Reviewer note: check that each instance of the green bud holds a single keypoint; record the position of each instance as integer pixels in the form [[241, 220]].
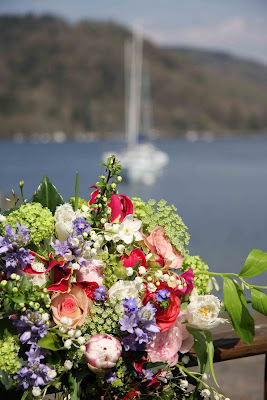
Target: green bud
[[21, 305], [113, 185], [31, 303], [3, 282], [42, 295], [13, 276], [17, 278], [23, 309], [119, 178], [45, 290], [41, 310], [36, 306], [105, 198], [15, 289], [103, 220], [21, 184]]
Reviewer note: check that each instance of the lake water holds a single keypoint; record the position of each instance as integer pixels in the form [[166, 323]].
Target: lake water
[[219, 188]]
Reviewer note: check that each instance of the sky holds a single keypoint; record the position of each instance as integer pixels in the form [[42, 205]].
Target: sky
[[235, 26]]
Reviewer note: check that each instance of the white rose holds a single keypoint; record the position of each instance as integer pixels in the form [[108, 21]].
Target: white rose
[[125, 289], [203, 311], [63, 230]]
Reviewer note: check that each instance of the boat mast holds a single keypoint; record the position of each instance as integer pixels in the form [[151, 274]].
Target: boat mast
[[135, 87]]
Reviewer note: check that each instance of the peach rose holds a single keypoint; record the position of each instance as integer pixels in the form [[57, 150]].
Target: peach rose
[[73, 305], [159, 244]]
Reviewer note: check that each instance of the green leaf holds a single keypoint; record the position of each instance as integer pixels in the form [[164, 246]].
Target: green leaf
[[259, 301], [237, 308], [5, 379], [25, 394], [76, 192], [23, 284], [7, 328], [210, 349], [73, 387], [48, 195], [51, 341], [255, 264], [155, 367], [201, 349], [18, 299]]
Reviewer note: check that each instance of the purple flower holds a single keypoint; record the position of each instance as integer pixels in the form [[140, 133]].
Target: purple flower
[[16, 257], [34, 374], [128, 323], [61, 248], [36, 353], [80, 226], [141, 325], [31, 327], [100, 293], [162, 295]]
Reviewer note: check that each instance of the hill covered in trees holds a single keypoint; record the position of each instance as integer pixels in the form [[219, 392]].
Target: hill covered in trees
[[61, 76]]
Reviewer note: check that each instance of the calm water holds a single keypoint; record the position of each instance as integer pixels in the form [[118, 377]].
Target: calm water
[[219, 188]]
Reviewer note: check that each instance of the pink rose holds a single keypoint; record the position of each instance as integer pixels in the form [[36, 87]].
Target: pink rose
[[73, 305], [159, 244], [102, 352], [90, 273], [166, 344]]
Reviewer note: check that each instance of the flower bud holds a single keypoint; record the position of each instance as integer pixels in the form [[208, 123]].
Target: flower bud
[[68, 365]]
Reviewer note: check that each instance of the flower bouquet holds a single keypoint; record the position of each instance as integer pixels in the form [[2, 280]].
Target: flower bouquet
[[101, 299]]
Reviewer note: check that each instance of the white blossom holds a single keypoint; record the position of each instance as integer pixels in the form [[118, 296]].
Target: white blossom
[[129, 229], [36, 391], [68, 343], [68, 364], [51, 374]]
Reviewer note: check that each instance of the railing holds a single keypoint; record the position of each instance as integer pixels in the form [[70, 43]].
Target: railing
[[227, 346]]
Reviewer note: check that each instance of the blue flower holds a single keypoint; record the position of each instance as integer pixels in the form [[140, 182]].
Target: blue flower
[[162, 295], [110, 377], [80, 226], [129, 305], [128, 323], [100, 293], [148, 374]]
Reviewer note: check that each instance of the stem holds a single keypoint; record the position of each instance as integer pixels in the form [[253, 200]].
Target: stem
[[76, 192], [222, 274]]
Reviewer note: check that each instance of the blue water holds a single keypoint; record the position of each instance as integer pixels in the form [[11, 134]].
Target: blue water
[[219, 188]]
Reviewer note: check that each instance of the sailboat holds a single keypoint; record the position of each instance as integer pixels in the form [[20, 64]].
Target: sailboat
[[141, 162]]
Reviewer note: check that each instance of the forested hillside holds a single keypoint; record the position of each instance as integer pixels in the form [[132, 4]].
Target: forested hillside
[[60, 76]]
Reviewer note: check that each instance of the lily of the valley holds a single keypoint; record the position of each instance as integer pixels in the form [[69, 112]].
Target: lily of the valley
[[129, 229]]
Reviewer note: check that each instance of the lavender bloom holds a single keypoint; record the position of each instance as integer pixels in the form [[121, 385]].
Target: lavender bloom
[[61, 248], [16, 257], [34, 374], [36, 353], [100, 293], [22, 236], [162, 295], [128, 323], [141, 325], [80, 226], [31, 327]]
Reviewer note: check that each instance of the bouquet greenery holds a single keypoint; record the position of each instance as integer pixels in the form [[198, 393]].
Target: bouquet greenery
[[101, 298]]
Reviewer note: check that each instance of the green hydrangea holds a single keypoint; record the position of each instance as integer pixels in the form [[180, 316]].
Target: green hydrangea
[[81, 202], [198, 266], [9, 355], [38, 219], [154, 214]]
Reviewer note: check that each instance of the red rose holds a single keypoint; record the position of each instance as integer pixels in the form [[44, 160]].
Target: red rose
[[165, 318], [135, 256]]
